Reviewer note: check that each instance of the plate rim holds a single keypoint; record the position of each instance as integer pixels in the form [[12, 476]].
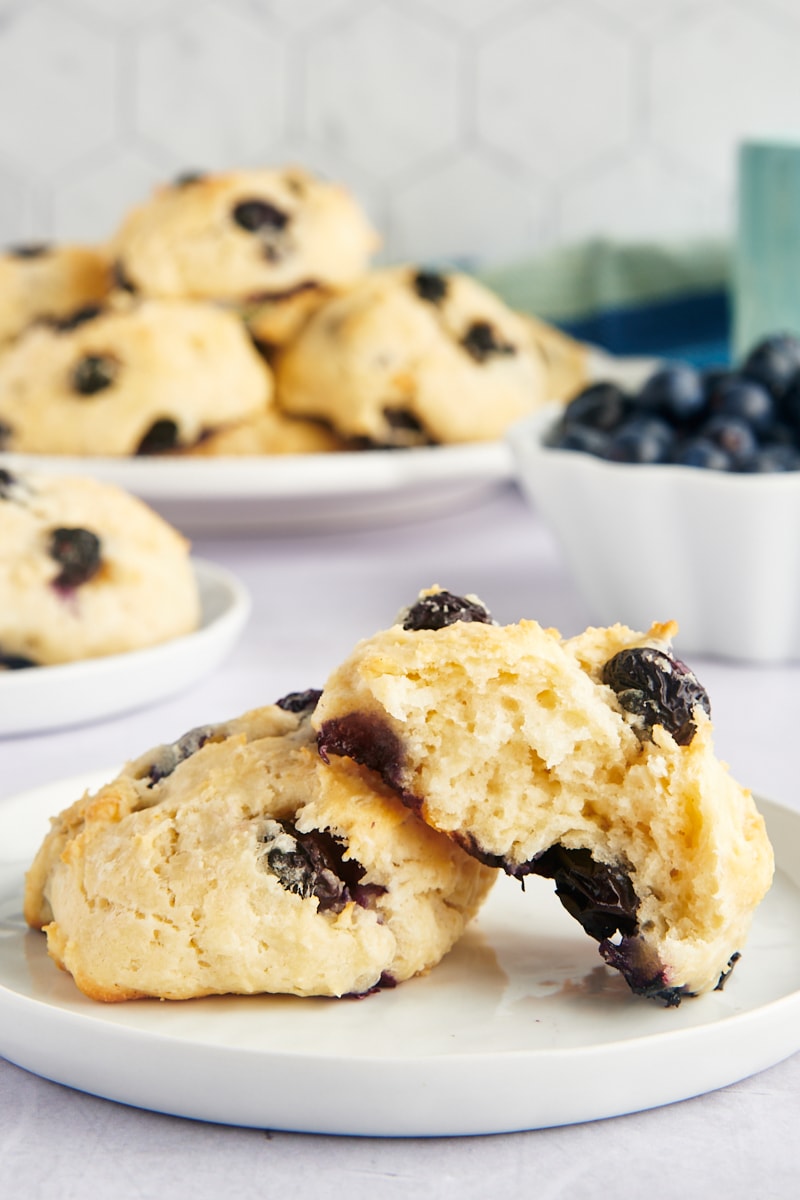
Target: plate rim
[[310, 476], [223, 628], [433, 1074]]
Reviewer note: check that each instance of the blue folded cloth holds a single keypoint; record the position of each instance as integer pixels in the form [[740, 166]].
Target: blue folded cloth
[[631, 299]]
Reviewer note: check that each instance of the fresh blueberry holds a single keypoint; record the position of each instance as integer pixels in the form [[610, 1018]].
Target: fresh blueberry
[[256, 216], [774, 456], [657, 688], [78, 553], [641, 969], [481, 342], [778, 433], [773, 363], [702, 452], [94, 373], [676, 392], [734, 435], [641, 440], [430, 285], [601, 406], [790, 405], [745, 399]]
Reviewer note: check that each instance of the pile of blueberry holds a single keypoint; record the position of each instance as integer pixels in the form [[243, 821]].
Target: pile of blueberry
[[744, 419]]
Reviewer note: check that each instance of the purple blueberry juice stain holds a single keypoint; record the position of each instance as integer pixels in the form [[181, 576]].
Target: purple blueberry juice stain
[[367, 740], [314, 864], [601, 897]]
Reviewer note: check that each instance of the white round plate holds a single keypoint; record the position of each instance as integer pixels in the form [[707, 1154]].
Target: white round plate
[[41, 698], [520, 1027], [296, 493], [302, 493]]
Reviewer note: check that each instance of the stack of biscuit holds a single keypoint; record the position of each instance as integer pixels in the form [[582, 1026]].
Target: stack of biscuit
[[241, 313], [339, 841]]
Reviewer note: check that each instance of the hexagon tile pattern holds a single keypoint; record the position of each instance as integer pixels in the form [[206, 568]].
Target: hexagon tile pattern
[[480, 130]]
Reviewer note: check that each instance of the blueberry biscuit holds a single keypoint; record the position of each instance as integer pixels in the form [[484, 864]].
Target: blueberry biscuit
[[86, 570], [588, 761], [270, 432], [410, 357], [138, 378], [233, 861], [49, 282], [273, 242]]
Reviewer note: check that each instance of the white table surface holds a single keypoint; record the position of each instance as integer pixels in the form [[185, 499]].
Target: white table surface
[[314, 596]]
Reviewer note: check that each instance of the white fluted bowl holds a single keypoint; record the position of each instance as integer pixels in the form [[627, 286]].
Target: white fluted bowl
[[719, 553]]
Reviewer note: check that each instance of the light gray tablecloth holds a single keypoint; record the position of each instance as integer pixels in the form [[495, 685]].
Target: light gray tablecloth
[[314, 596]]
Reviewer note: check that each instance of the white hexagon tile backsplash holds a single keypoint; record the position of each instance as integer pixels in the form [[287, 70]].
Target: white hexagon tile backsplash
[[475, 130]]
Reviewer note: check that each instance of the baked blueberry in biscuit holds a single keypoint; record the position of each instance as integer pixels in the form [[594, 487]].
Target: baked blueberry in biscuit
[[41, 282], [235, 861], [272, 243], [586, 760], [412, 357], [132, 377]]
